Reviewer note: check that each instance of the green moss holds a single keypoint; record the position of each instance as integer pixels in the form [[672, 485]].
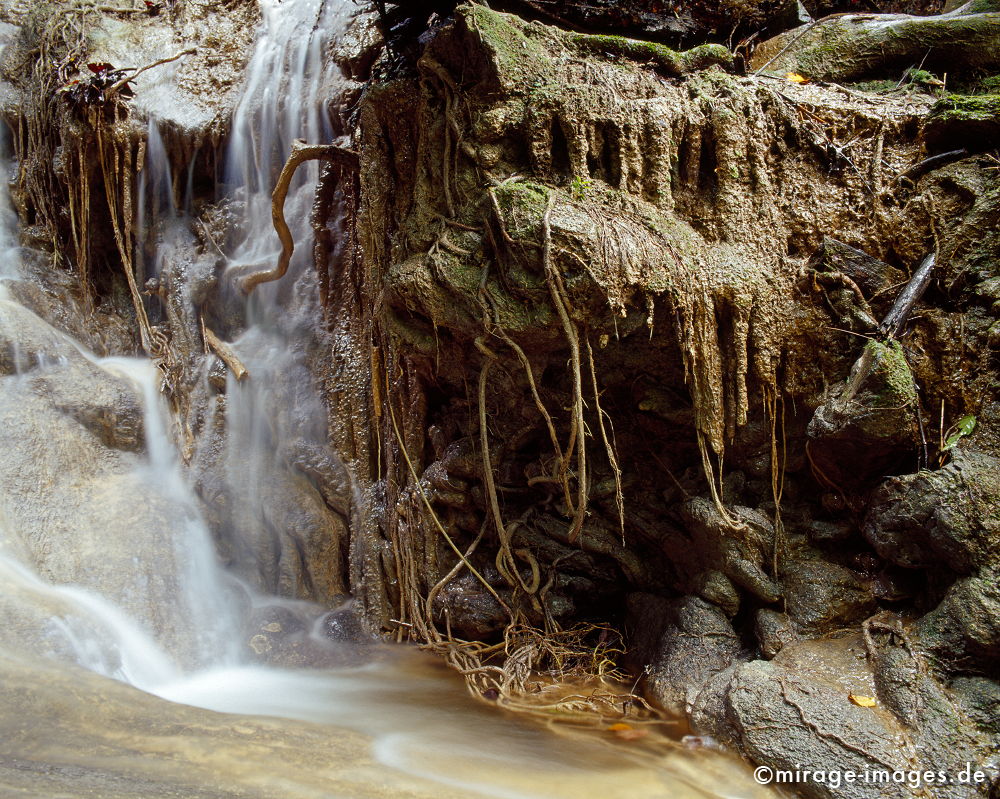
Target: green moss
[[874, 86], [971, 121], [521, 60], [989, 85], [523, 204], [892, 380], [968, 108], [673, 62]]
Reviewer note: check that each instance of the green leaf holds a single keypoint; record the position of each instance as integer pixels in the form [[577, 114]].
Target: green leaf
[[963, 427]]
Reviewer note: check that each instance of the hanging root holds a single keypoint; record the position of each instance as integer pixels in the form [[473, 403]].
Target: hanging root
[[578, 428], [772, 401], [434, 516], [119, 197], [301, 152], [612, 458]]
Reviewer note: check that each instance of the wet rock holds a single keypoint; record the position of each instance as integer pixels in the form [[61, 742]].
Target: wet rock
[[697, 642], [794, 712], [947, 517], [979, 697], [870, 274], [100, 511], [715, 587], [937, 726], [789, 720], [298, 635], [469, 608], [106, 406], [824, 532], [867, 428], [773, 631], [821, 596], [52, 295], [738, 553], [972, 122], [963, 631], [26, 341]]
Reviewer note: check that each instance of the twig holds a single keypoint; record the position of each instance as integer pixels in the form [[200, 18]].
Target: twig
[[895, 320], [116, 86], [225, 352], [921, 168]]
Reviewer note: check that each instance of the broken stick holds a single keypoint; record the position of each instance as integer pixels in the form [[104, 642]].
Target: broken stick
[[225, 352], [893, 323]]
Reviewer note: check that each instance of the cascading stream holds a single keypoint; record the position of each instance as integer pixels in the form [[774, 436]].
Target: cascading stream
[[107, 563]]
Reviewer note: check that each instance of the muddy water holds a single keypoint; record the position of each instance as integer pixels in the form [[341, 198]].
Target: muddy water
[[124, 670]]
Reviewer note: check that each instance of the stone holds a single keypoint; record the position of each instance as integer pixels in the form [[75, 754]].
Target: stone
[[739, 554], [948, 517], [697, 642], [821, 596], [773, 631], [867, 427], [470, 610], [963, 631]]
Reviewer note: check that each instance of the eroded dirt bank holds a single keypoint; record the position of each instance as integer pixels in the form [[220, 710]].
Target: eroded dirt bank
[[609, 384]]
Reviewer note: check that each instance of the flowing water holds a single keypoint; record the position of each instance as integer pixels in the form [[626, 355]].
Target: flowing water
[[123, 636]]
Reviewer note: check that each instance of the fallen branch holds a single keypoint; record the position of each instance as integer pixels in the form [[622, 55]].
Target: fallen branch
[[300, 153], [920, 169], [894, 321], [225, 352], [850, 47]]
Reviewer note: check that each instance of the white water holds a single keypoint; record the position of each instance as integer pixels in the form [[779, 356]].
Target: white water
[[164, 616]]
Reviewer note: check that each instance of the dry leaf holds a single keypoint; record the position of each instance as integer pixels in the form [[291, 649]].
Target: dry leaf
[[862, 701], [795, 77]]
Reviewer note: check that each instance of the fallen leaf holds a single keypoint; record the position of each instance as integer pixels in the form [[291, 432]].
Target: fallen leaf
[[862, 701], [795, 77]]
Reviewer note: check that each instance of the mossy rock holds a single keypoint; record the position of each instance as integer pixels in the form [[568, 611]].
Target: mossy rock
[[971, 121], [891, 381]]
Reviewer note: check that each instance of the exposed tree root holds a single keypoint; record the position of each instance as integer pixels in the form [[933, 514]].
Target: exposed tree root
[[300, 153], [608, 445], [849, 47], [578, 429]]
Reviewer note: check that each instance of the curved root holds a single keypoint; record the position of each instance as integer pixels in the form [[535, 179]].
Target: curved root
[[300, 153]]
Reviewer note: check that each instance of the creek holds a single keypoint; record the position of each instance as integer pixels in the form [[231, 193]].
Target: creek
[[124, 667]]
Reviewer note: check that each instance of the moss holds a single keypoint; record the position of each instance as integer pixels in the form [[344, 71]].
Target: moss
[[892, 380], [989, 85], [523, 204], [673, 62], [874, 86], [971, 121], [521, 60]]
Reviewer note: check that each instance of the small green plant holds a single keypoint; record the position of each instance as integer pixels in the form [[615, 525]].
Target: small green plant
[[578, 188], [962, 428]]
